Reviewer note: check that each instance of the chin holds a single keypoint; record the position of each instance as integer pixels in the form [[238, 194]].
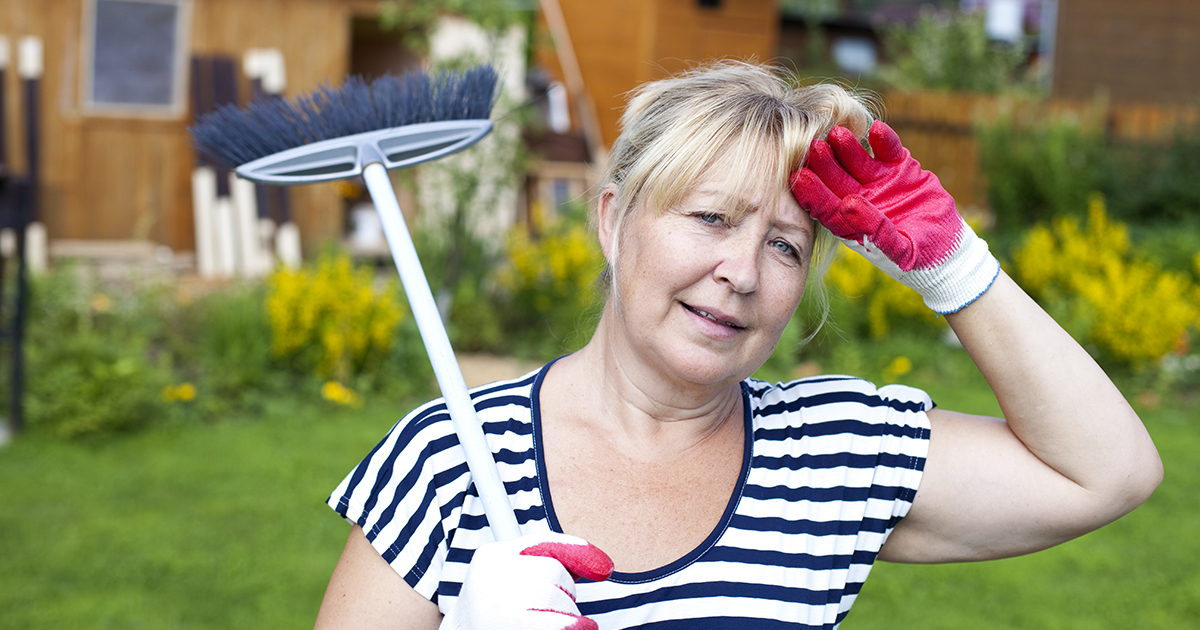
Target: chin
[[703, 368]]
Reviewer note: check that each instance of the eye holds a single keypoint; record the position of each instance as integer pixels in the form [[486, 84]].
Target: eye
[[711, 218], [784, 247]]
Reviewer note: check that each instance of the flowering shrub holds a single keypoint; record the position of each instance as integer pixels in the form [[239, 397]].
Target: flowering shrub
[[876, 295], [331, 319], [1127, 306], [550, 281]]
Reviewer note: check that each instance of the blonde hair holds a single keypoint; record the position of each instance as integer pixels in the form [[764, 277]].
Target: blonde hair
[[756, 119]]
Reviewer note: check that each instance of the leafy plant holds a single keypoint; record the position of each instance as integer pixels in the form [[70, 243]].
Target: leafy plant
[[873, 303], [950, 50], [1040, 167], [552, 301], [91, 356], [415, 18], [1154, 181], [221, 342]]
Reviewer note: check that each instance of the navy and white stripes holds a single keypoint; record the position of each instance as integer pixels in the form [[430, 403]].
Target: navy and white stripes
[[832, 464]]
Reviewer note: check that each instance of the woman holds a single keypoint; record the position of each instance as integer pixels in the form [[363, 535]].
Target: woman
[[721, 500]]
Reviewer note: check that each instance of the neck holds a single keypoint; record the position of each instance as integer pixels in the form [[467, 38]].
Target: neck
[[642, 407]]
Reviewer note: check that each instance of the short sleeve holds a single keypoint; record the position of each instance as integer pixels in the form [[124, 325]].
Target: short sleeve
[[904, 446], [407, 495], [854, 451], [414, 498]]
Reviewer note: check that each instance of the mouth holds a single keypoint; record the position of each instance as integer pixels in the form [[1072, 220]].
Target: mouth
[[716, 318]]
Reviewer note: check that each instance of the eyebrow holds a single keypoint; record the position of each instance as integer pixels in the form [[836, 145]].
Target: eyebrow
[[789, 227]]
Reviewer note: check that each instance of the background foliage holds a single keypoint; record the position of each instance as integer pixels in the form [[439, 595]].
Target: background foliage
[[950, 50], [181, 442]]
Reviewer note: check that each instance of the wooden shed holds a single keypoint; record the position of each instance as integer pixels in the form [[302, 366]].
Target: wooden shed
[[599, 51], [614, 46], [1145, 51], [122, 171]]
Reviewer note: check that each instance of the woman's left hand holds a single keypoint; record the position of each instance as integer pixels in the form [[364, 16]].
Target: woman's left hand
[[1070, 454], [896, 215]]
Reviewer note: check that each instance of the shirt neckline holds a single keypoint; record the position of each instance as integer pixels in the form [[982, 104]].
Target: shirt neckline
[[688, 558]]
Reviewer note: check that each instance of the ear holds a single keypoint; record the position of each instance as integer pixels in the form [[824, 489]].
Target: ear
[[606, 220]]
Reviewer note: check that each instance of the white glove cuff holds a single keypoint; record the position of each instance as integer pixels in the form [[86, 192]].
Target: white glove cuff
[[966, 274], [961, 279]]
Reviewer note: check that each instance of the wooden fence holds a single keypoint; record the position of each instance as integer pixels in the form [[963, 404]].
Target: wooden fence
[[939, 128]]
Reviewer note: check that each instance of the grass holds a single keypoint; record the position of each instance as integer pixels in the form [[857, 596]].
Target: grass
[[1139, 572], [179, 527], [223, 526]]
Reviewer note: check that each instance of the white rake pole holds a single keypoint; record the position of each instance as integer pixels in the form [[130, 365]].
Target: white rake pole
[[454, 389]]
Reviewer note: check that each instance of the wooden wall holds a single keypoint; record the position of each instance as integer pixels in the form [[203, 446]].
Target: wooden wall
[[1148, 50], [623, 43], [125, 177]]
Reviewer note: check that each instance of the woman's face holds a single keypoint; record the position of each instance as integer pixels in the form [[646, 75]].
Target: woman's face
[[702, 296]]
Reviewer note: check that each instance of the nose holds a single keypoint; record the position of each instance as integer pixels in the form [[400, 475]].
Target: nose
[[739, 263]]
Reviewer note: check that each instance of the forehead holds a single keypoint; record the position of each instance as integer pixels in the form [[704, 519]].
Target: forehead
[[740, 183], [749, 166]]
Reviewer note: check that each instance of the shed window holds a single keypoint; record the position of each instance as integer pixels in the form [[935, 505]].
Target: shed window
[[137, 51]]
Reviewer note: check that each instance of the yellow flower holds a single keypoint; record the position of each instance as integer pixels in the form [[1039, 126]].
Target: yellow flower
[[860, 281], [1130, 306], [186, 392], [183, 392], [333, 316], [335, 392], [553, 272], [100, 303], [898, 367]]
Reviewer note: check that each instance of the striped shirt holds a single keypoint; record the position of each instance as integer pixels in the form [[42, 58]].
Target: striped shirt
[[831, 464]]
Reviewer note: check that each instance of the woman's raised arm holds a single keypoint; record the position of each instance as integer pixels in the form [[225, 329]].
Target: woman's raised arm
[[1070, 455]]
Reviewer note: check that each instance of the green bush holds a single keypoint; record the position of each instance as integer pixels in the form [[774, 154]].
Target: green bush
[[1040, 166], [950, 50], [1039, 169], [93, 364], [105, 357], [221, 342], [1154, 181]]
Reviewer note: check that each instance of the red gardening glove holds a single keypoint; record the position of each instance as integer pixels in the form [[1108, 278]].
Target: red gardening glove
[[527, 584], [897, 215]]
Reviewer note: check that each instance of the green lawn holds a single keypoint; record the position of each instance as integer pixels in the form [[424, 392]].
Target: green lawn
[[1142, 571], [185, 527], [223, 526]]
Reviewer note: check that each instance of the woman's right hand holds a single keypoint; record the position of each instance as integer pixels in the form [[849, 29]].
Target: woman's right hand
[[897, 215], [527, 584]]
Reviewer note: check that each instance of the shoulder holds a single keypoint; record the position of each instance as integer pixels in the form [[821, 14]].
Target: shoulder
[[835, 413], [423, 449], [834, 395], [841, 431], [491, 401]]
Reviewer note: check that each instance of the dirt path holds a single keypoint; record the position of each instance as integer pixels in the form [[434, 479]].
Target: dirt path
[[480, 369]]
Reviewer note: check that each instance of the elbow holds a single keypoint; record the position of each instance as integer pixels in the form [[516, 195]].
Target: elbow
[[1152, 476], [1143, 476]]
